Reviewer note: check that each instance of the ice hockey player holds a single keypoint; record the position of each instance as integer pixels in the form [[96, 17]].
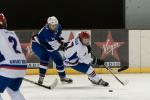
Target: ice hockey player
[[46, 46], [12, 62], [78, 57]]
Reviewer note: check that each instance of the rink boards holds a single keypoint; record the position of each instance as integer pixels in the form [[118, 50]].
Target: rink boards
[[117, 47], [98, 70]]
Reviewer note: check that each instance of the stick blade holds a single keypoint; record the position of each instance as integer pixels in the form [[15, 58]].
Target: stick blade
[[54, 84], [126, 82]]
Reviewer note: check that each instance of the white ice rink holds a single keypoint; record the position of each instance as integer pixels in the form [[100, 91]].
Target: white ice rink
[[137, 89]]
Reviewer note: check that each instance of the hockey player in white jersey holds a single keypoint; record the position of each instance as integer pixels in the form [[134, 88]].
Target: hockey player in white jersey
[[77, 57], [12, 62]]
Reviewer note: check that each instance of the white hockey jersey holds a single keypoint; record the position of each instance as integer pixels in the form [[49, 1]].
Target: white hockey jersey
[[76, 53], [12, 60]]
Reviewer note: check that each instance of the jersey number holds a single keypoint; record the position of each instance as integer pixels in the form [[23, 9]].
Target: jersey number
[[14, 41], [1, 57]]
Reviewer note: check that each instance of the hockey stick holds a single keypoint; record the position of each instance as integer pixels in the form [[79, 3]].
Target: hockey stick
[[52, 86], [123, 83], [110, 70], [116, 71]]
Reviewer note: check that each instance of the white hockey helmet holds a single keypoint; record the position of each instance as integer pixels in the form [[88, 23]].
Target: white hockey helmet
[[52, 20]]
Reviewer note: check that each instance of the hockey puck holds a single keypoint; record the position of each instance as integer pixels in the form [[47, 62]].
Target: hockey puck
[[110, 90]]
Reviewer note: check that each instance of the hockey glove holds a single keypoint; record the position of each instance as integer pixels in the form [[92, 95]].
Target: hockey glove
[[97, 61], [89, 48]]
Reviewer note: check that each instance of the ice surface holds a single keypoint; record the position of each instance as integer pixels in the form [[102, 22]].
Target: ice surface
[[137, 89]]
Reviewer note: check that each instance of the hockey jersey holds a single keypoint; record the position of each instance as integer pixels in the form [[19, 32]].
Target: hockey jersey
[[49, 39], [76, 53], [12, 60]]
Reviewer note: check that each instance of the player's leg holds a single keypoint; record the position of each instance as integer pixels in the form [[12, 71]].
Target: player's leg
[[42, 54], [4, 83], [60, 67], [1, 97], [15, 95], [92, 76], [42, 71], [13, 89]]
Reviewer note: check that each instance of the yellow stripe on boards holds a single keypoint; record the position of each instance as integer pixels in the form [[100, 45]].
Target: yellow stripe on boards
[[98, 70]]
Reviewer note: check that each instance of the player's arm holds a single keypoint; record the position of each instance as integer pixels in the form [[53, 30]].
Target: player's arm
[[89, 48], [2, 58], [42, 39], [84, 58], [96, 60], [60, 39]]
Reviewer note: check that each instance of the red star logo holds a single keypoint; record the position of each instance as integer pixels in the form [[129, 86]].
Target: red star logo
[[71, 36], [27, 47], [109, 47]]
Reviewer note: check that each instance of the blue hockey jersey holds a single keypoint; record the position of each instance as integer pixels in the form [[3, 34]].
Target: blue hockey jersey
[[49, 39]]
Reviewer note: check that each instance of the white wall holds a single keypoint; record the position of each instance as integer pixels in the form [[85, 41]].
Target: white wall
[[145, 48], [134, 48], [139, 48]]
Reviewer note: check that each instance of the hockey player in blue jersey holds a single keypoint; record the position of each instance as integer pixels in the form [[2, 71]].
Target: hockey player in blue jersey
[[46, 45], [12, 62]]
